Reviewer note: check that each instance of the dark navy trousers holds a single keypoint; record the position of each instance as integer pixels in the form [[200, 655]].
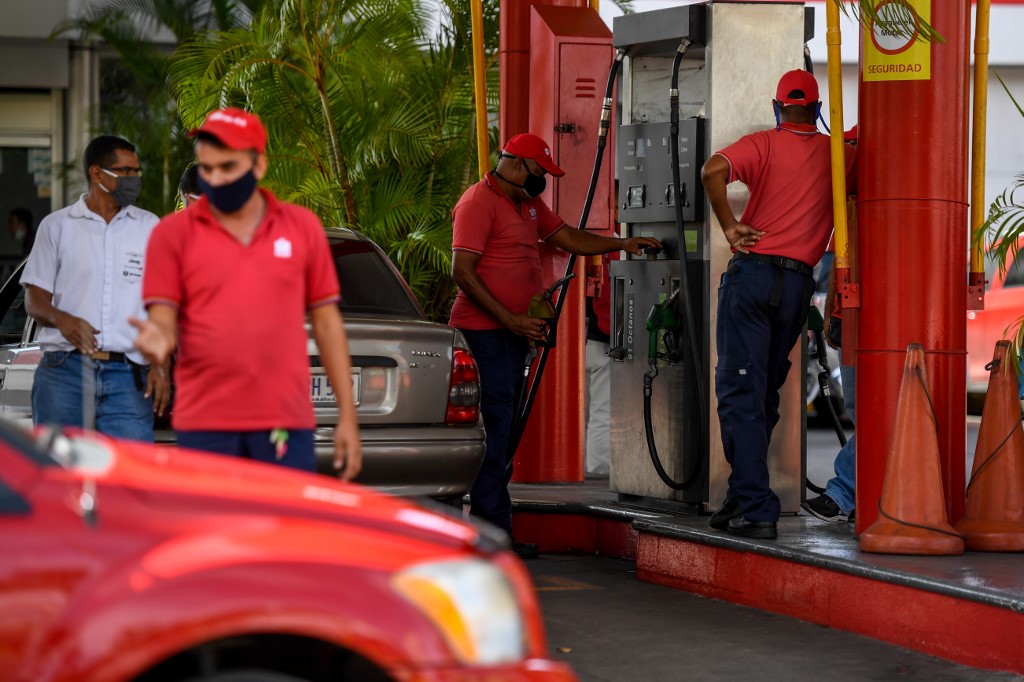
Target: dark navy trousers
[[754, 341], [499, 356]]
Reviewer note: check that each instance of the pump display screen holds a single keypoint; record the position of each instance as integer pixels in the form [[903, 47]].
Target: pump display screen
[[635, 196], [645, 171]]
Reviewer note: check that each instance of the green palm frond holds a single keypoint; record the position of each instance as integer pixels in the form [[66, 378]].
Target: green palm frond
[[1004, 226], [626, 6], [1004, 232], [370, 118], [137, 103]]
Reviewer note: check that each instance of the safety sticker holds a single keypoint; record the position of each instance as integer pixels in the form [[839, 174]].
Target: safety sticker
[[894, 49]]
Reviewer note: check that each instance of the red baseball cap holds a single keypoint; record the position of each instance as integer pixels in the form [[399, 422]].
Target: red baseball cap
[[798, 80], [235, 128], [850, 135], [527, 146]]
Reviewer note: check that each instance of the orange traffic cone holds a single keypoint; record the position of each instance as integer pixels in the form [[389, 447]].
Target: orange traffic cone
[[994, 521], [912, 510]]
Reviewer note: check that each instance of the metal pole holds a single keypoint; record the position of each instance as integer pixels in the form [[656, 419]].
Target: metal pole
[[912, 229], [976, 279], [480, 87], [834, 40]]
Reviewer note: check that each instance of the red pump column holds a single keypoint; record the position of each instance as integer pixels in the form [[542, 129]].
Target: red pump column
[[555, 56], [514, 64], [912, 241]]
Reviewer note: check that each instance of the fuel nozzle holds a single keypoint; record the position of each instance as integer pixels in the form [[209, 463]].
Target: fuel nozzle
[[662, 323], [542, 305]]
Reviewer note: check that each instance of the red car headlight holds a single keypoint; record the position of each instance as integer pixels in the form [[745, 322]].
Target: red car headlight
[[472, 604]]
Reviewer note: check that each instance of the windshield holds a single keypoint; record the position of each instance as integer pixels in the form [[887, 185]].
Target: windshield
[[369, 285]]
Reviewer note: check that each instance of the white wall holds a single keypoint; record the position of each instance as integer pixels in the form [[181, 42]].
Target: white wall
[[1005, 137], [1004, 146]]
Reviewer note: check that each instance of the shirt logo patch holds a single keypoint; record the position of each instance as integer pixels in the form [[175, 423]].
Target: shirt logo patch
[[533, 213], [282, 248]]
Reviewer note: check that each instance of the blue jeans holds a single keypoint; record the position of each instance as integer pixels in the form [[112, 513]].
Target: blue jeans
[[499, 356], [299, 453], [754, 341], [120, 409], [842, 488]]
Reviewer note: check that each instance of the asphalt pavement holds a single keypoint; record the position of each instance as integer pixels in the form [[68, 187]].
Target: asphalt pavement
[[610, 627]]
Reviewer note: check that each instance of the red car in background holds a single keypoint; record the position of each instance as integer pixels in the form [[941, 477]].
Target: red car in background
[[1004, 305], [125, 561]]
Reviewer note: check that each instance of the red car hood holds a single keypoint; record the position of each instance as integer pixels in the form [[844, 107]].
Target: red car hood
[[191, 482]]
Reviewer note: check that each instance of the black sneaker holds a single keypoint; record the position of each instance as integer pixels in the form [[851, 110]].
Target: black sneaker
[[826, 509]]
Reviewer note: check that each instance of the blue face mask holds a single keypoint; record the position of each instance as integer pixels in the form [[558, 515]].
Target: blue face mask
[[232, 196], [819, 117]]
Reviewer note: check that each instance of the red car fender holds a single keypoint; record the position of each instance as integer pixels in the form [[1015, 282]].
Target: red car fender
[[143, 613]]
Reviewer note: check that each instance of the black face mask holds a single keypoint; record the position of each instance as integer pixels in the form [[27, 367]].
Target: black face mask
[[232, 196], [534, 185], [126, 188]]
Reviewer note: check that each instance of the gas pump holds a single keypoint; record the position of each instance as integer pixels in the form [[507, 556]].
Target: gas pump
[[694, 79]]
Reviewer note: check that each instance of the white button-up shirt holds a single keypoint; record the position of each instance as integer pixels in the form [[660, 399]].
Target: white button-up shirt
[[94, 271]]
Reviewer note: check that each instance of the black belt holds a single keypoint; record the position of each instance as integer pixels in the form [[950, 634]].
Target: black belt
[[105, 355], [778, 261], [115, 356]]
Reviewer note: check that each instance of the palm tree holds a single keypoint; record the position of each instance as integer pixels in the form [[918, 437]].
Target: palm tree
[[1003, 232], [136, 102], [369, 118]]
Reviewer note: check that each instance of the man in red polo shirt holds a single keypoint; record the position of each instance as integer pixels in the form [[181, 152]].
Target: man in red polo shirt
[[230, 281], [765, 294], [498, 223]]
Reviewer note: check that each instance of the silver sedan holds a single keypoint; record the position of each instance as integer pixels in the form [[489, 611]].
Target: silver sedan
[[415, 383]]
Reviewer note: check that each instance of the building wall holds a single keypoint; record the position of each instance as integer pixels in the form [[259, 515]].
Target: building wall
[[61, 77]]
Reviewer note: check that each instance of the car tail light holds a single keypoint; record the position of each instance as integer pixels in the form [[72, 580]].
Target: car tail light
[[464, 390]]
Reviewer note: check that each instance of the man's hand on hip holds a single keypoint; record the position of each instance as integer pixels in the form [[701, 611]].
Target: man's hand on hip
[[742, 236]]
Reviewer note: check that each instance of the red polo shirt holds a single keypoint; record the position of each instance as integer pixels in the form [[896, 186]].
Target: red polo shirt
[[788, 171], [488, 223], [242, 361]]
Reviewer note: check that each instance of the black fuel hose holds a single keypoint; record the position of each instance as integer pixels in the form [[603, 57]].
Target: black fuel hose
[[652, 446], [693, 345], [826, 390], [530, 393]]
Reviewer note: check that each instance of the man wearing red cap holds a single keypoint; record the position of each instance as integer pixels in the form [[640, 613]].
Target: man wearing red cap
[[228, 283], [765, 294], [498, 223]]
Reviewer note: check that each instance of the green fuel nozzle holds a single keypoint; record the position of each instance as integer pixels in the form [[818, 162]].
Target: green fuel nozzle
[[661, 320]]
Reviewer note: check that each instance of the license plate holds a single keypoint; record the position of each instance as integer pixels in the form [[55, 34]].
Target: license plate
[[321, 392]]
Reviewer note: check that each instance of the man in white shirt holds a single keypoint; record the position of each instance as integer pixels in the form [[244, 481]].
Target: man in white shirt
[[83, 280]]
